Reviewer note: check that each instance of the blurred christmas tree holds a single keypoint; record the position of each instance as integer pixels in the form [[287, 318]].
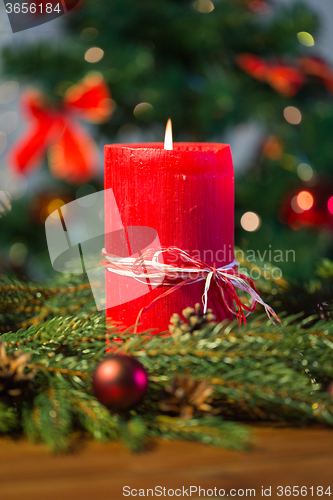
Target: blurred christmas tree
[[211, 66]]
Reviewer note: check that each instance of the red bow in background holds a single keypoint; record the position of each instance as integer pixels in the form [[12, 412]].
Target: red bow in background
[[72, 153]]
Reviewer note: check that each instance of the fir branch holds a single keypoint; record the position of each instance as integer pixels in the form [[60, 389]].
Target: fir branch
[[9, 419], [25, 304], [133, 433], [93, 417], [54, 369], [213, 431], [48, 420], [325, 269], [260, 372]]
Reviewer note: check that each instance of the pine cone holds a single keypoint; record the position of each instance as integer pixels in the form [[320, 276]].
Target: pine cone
[[13, 379], [186, 395], [195, 321], [325, 311]]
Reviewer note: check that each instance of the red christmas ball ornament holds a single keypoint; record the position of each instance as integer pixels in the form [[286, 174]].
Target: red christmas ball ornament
[[120, 382], [310, 206]]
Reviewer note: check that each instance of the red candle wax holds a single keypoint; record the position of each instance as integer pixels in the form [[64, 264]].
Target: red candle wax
[[187, 196]]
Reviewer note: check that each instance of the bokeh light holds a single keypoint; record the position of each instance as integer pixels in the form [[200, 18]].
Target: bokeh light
[[5, 202], [292, 115], [16, 186], [143, 110], [305, 200], [305, 172], [18, 253], [85, 190], [203, 6], [3, 141], [9, 91], [257, 5], [94, 54], [86, 195], [250, 221], [273, 148], [89, 34], [53, 207], [330, 205], [294, 205], [9, 122], [305, 38]]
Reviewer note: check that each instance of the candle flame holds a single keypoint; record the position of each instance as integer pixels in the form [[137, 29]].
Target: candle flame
[[168, 144]]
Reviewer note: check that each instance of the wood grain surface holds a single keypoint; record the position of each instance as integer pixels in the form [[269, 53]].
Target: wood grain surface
[[280, 457]]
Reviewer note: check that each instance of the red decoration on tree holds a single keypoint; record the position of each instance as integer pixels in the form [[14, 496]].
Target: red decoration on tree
[[257, 5], [319, 69], [285, 79], [253, 65], [73, 153], [120, 382]]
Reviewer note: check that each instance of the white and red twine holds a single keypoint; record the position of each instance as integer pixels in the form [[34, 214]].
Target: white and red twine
[[148, 269]]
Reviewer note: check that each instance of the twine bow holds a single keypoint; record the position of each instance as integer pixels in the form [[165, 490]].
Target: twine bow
[[148, 269]]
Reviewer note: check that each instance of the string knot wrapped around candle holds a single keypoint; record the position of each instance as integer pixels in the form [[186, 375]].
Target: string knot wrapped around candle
[[148, 268]]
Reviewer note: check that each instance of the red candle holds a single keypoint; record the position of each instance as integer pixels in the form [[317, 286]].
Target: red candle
[[187, 195]]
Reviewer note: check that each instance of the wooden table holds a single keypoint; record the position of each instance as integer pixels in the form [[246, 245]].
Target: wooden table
[[281, 457]]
